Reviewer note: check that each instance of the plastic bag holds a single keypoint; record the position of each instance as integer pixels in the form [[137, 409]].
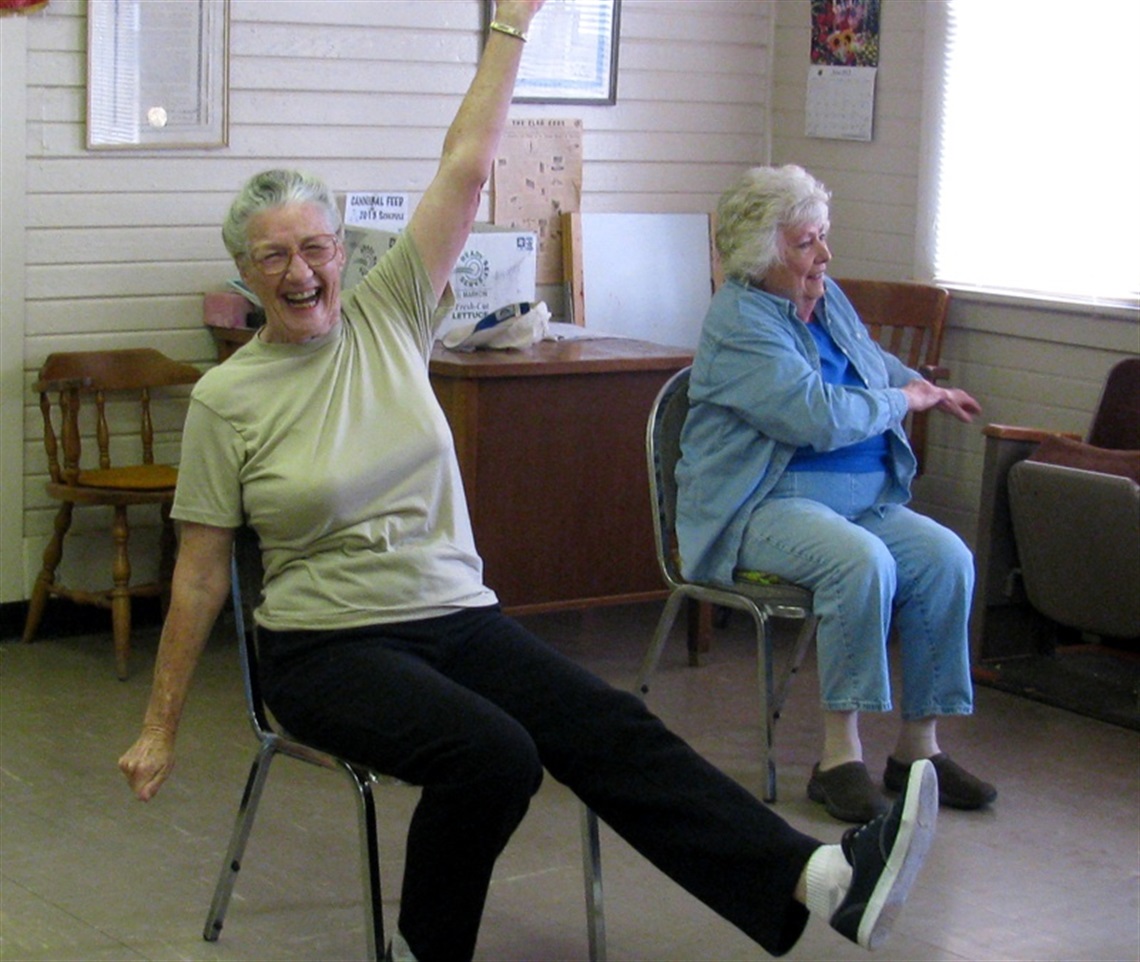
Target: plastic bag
[[513, 326]]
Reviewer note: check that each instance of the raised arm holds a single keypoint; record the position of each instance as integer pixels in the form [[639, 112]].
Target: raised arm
[[444, 215], [201, 583]]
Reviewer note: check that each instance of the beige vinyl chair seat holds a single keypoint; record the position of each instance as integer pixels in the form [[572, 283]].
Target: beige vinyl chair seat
[[1078, 538]]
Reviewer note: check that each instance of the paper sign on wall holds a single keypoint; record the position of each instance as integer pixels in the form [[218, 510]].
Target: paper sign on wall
[[377, 209]]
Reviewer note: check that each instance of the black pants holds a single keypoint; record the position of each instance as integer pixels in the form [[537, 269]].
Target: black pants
[[472, 707]]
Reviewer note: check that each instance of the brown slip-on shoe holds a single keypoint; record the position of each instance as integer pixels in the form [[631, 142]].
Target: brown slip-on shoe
[[847, 792], [957, 788]]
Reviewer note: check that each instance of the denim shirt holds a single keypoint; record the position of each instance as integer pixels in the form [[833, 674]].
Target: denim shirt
[[756, 394]]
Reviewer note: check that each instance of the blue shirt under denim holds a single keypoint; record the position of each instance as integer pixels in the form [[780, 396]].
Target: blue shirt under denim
[[756, 395], [870, 456]]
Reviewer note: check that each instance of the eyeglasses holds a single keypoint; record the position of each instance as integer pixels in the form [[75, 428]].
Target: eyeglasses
[[316, 251]]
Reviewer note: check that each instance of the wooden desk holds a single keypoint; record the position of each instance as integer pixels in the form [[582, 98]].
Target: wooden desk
[[551, 445]]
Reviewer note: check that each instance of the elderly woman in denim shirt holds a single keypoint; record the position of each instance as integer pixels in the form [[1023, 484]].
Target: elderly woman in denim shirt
[[795, 462]]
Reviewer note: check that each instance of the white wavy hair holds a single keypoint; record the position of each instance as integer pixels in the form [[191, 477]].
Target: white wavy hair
[[275, 188], [752, 212]]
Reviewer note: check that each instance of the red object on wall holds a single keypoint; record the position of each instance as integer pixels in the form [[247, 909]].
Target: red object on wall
[[21, 6]]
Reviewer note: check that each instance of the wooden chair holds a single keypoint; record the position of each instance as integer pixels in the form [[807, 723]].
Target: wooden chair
[[72, 378], [907, 320]]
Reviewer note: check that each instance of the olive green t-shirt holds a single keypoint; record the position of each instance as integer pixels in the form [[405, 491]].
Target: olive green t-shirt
[[338, 455]]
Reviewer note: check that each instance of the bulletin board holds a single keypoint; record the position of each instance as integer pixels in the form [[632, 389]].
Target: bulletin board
[[538, 177]]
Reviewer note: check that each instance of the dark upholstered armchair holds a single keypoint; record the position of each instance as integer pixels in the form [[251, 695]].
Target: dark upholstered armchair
[[1058, 549]]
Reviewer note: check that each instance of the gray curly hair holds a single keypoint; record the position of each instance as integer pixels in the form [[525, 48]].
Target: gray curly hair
[[751, 213], [274, 188]]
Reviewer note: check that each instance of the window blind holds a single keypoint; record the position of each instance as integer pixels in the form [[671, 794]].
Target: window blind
[[1038, 166]]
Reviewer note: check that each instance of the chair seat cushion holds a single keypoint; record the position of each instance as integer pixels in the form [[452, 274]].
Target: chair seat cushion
[[1068, 453], [138, 477], [773, 590], [745, 576], [1077, 535]]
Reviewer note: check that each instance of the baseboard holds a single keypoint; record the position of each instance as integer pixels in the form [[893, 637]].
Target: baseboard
[[64, 619]]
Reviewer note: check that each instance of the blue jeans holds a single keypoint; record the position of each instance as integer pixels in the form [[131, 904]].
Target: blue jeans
[[867, 563], [473, 707]]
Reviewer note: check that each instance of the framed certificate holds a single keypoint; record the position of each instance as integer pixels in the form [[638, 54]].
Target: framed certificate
[[157, 74], [571, 54]]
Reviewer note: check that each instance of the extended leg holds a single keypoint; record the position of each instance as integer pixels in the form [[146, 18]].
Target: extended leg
[[700, 827]]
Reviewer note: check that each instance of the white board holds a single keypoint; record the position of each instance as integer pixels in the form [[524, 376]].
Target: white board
[[647, 276]]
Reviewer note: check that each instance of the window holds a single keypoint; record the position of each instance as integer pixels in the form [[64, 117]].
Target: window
[[1038, 156]]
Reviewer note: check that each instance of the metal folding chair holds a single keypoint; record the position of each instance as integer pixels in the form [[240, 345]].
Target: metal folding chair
[[761, 596], [272, 741]]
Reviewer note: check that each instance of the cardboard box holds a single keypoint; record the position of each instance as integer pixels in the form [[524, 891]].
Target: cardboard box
[[497, 267]]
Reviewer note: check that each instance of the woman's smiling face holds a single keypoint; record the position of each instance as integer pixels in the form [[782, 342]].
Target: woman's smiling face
[[301, 296], [799, 273]]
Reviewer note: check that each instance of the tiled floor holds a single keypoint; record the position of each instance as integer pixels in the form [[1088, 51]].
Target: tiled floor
[[86, 873]]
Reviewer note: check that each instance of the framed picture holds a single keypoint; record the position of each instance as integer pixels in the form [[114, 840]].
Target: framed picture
[[157, 74], [571, 54]]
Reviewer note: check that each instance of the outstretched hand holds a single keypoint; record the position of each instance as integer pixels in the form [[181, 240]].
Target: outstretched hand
[[958, 403], [148, 762], [921, 395]]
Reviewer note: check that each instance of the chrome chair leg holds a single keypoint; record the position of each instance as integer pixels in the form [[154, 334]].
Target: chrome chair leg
[[764, 691], [660, 636], [592, 875], [365, 783], [247, 810]]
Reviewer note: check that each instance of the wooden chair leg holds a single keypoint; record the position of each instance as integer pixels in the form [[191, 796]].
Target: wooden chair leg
[[700, 628], [46, 578], [120, 593]]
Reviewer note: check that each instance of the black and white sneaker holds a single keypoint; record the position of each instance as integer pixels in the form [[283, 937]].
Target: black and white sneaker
[[886, 856]]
